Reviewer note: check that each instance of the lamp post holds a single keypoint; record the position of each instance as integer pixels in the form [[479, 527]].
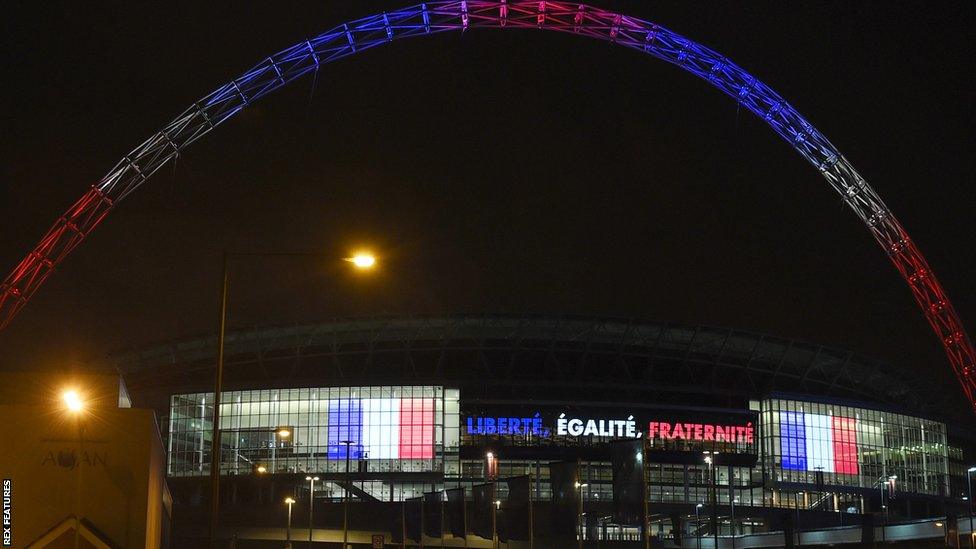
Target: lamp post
[[491, 466], [345, 497], [289, 501], [818, 477], [361, 261], [311, 505], [579, 512], [712, 494], [494, 522], [698, 525], [969, 484], [883, 483], [732, 506]]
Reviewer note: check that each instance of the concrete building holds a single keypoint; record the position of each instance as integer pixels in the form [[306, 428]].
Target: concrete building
[[80, 467]]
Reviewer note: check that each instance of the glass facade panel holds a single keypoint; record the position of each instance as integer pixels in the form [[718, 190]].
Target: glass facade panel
[[833, 445], [383, 429]]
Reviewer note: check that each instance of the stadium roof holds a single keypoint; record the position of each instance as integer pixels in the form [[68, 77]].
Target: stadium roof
[[499, 356]]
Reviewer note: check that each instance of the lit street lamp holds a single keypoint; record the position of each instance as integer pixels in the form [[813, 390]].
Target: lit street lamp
[[290, 501], [362, 262], [491, 466], [969, 483], [311, 505], [698, 524], [712, 493], [345, 497], [883, 483], [579, 490], [72, 401]]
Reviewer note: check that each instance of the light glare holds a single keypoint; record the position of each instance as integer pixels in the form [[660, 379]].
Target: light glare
[[362, 260], [72, 401]]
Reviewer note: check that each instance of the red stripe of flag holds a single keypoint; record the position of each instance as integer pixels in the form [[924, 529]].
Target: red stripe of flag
[[845, 444], [416, 428]]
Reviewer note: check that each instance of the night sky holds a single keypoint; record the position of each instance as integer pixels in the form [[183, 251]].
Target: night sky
[[510, 172]]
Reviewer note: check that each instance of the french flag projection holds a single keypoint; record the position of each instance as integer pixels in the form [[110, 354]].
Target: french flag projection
[[816, 442], [381, 428]]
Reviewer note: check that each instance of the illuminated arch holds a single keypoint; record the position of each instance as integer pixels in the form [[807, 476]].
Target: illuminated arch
[[440, 16]]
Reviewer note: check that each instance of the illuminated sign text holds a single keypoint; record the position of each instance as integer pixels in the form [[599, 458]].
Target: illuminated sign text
[[507, 426], [706, 432], [599, 427]]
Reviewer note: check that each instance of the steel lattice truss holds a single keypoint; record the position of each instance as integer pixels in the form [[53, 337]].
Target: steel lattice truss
[[433, 17]]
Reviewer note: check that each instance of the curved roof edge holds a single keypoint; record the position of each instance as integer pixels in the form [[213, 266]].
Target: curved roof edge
[[767, 360]]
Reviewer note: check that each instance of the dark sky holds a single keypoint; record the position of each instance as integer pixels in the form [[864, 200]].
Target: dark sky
[[512, 171]]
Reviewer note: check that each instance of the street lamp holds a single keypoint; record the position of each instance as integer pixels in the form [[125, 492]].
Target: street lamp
[[311, 504], [882, 484], [969, 483], [362, 261], [261, 469], [290, 501], [345, 497], [712, 493], [283, 432], [698, 525], [72, 401], [491, 466], [579, 490]]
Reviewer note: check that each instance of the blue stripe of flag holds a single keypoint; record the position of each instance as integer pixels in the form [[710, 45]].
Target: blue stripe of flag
[[345, 423], [792, 432]]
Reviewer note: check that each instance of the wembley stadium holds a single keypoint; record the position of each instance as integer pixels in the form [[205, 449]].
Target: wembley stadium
[[738, 433]]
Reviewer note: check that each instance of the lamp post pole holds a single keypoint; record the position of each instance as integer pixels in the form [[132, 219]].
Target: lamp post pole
[[881, 486], [698, 525], [579, 511], [732, 505], [969, 483], [215, 432], [345, 498], [311, 505], [361, 261], [885, 482], [289, 501], [713, 494]]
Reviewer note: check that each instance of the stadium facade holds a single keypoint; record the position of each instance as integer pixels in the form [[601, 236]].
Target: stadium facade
[[740, 431]]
